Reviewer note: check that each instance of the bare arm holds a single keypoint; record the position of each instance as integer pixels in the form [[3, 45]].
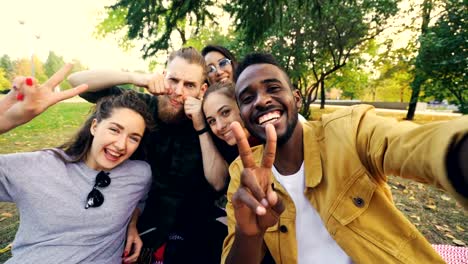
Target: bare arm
[[214, 166], [133, 244], [102, 79]]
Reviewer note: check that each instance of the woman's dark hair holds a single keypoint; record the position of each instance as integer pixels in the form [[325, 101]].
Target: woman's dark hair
[[226, 53], [79, 146]]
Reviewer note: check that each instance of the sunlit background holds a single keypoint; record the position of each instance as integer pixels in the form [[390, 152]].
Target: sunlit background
[[65, 27]]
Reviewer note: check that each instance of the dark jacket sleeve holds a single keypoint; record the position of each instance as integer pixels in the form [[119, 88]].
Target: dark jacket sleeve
[[93, 97]]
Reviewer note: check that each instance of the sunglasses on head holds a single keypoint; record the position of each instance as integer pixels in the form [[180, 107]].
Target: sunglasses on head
[[95, 197], [221, 65]]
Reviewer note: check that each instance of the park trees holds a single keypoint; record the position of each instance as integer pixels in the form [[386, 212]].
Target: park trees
[[7, 65], [419, 76], [53, 63], [352, 80], [4, 82], [395, 68], [42, 70], [312, 39], [6, 70], [155, 21], [442, 57]]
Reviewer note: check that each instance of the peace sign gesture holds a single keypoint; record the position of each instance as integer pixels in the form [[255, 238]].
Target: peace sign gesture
[[28, 99], [256, 205]]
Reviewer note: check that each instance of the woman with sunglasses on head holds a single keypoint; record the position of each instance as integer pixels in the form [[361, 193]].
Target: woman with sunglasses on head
[[76, 201]]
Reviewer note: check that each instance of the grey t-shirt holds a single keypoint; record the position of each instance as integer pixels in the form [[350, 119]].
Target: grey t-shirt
[[50, 196]]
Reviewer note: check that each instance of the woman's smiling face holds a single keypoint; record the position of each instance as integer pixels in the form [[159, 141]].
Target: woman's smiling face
[[116, 138], [220, 111], [220, 68]]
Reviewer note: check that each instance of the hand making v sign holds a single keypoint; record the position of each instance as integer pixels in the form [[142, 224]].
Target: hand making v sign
[[256, 204]]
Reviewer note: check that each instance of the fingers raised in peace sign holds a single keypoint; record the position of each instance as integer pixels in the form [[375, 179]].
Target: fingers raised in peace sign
[[256, 205]]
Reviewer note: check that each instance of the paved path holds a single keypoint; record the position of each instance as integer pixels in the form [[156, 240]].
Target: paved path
[[78, 99], [428, 112]]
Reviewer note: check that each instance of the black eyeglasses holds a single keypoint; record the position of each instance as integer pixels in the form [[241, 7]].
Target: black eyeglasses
[[95, 197], [221, 65]]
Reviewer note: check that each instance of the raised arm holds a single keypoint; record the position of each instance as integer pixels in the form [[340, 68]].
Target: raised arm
[[28, 99], [98, 80], [215, 166], [430, 153], [102, 79]]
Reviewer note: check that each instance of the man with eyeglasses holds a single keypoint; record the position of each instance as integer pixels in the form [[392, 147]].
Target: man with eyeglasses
[[181, 204]]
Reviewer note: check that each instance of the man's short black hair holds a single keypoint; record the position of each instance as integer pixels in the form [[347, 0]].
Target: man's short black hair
[[255, 58], [259, 58]]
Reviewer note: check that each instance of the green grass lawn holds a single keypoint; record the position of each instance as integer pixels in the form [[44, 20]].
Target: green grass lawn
[[435, 213], [50, 129]]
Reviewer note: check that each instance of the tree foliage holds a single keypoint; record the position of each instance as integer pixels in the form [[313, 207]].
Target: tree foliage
[[154, 21], [396, 73], [42, 71], [53, 63], [5, 84], [211, 35], [115, 24], [443, 56], [352, 80], [7, 65], [419, 75], [311, 38]]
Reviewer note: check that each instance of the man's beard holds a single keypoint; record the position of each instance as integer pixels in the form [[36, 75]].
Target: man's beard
[[289, 131], [168, 114]]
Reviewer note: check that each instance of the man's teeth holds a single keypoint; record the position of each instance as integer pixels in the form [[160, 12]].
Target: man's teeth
[[269, 117]]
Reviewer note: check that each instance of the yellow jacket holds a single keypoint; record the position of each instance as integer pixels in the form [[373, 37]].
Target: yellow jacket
[[347, 156]]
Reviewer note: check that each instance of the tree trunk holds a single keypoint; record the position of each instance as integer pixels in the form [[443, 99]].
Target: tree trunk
[[418, 77], [416, 88], [322, 94]]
